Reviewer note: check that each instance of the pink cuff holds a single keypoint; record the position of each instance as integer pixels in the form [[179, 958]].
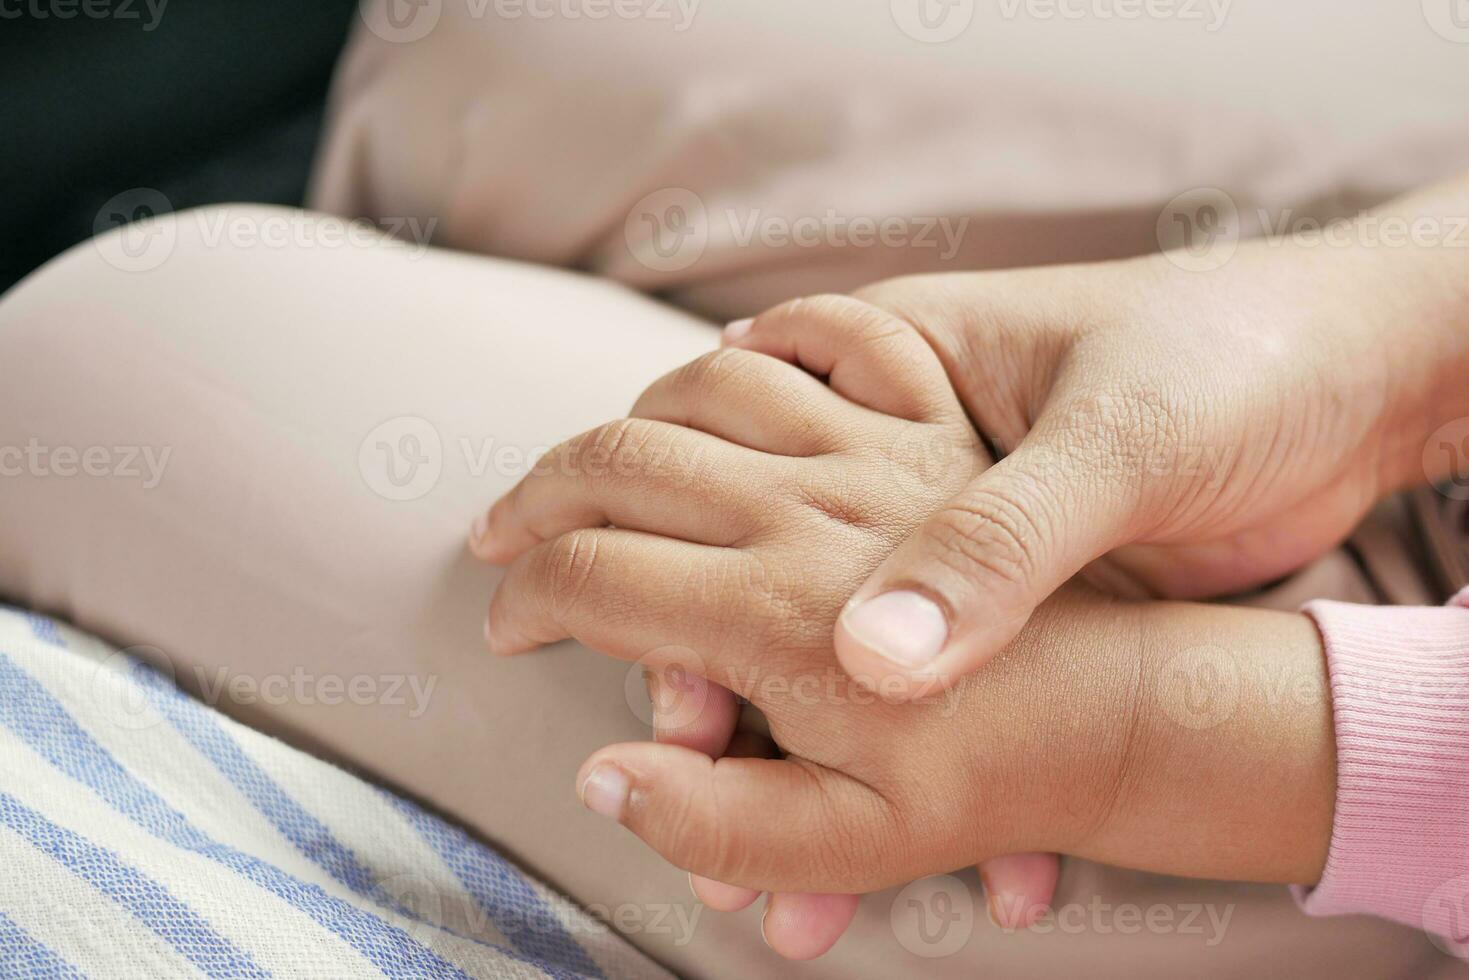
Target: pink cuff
[[1400, 698]]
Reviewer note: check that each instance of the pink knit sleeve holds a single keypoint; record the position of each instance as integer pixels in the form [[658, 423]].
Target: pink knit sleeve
[[1400, 698]]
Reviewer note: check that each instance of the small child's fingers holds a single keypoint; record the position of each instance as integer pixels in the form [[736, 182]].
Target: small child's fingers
[[633, 473], [868, 355], [1019, 887], [634, 596], [716, 894], [721, 897], [751, 745], [754, 401], [712, 732], [757, 823], [803, 926], [690, 710]]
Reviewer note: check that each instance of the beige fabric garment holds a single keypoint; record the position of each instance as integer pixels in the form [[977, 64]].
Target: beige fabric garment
[[1062, 138]]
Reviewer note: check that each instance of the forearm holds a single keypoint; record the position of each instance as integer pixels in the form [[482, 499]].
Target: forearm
[[1229, 767], [1325, 750]]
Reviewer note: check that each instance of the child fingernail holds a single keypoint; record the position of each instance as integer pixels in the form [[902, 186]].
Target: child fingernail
[[904, 628], [605, 791], [737, 330]]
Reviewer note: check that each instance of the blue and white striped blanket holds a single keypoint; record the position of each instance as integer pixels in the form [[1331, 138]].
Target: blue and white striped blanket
[[143, 834]]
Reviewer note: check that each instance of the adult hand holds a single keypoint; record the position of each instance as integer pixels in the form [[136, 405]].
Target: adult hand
[[1206, 433]]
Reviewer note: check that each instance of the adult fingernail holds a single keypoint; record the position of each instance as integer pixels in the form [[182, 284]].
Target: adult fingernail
[[737, 330], [480, 527], [605, 791], [905, 628]]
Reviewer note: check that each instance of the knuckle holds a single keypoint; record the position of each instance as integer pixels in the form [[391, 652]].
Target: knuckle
[[710, 372], [839, 498], [571, 562], [844, 830], [857, 321], [912, 300], [703, 842], [826, 306], [620, 448], [838, 857], [785, 610], [819, 306]]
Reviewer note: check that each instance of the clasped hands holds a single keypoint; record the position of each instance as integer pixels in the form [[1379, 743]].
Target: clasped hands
[[809, 520]]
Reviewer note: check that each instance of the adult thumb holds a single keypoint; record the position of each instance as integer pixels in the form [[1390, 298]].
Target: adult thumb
[[961, 587]]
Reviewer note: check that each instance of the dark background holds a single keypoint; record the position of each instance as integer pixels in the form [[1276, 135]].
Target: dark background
[[221, 101]]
